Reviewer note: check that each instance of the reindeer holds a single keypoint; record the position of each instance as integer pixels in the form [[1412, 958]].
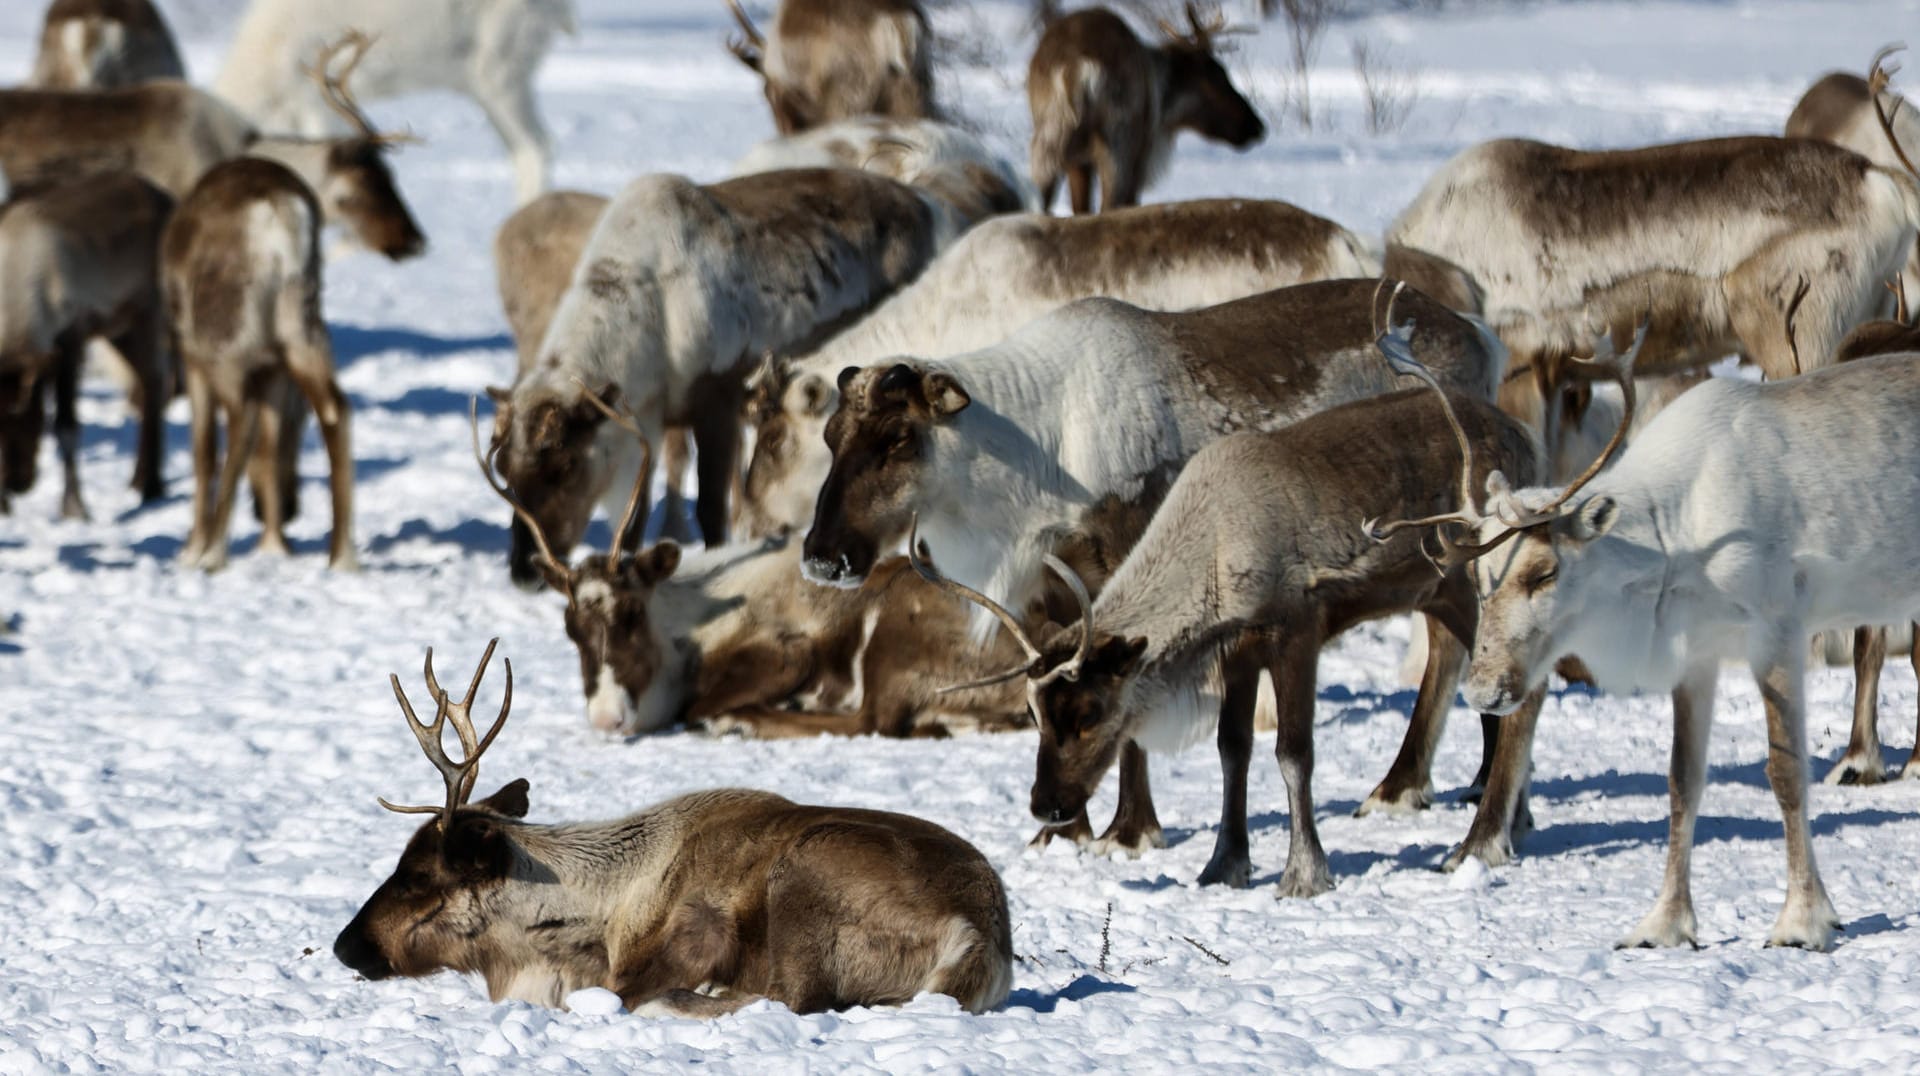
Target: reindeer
[[1101, 99], [1683, 555], [1006, 272], [677, 287], [1251, 564], [1840, 108], [77, 261], [101, 44], [240, 269], [487, 50], [1063, 439], [1715, 236], [836, 59], [743, 893]]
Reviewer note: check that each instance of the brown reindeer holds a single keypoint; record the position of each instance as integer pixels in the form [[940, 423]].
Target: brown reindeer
[[77, 262], [835, 59], [742, 893], [101, 44], [1840, 109], [240, 265], [1103, 100]]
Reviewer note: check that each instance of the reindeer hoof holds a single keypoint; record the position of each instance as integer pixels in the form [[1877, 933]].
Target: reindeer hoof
[[1491, 853], [1661, 930], [1129, 845], [1402, 801], [1081, 835], [1857, 770], [1807, 923], [345, 562], [1235, 873], [1304, 883]]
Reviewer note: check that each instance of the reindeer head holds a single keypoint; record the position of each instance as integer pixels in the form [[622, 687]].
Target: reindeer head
[[432, 913], [1201, 98], [790, 456], [793, 110], [546, 449], [359, 192], [883, 446]]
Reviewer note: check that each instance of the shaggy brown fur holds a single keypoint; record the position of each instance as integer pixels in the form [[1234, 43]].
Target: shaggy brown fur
[[835, 59], [102, 44]]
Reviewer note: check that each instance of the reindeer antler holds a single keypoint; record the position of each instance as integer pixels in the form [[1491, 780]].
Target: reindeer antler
[[1879, 77], [333, 86], [1070, 669], [485, 460], [750, 48], [1205, 22], [1793, 308], [459, 776], [624, 418]]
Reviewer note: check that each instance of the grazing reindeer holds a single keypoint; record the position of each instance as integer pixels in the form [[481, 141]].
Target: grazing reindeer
[[1101, 99], [101, 44], [836, 59], [240, 268], [1683, 555], [77, 261], [744, 893], [678, 288], [1251, 564], [1717, 237], [487, 50], [1007, 272], [1064, 437]]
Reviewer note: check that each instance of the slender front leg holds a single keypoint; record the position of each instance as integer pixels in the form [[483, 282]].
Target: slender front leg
[[1294, 674], [1671, 922], [1862, 765], [1489, 746], [716, 436], [1232, 863], [239, 448], [1080, 188], [1496, 824], [1408, 785], [1912, 767], [66, 428], [1808, 919], [1135, 827], [205, 460]]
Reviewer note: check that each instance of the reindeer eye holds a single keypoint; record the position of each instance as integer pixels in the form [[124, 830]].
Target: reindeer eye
[[1543, 579]]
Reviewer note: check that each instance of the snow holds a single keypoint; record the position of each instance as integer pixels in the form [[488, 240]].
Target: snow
[[188, 764]]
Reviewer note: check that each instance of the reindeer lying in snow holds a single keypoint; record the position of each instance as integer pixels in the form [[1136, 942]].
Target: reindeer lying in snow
[[1009, 271], [1252, 563], [78, 261], [101, 44], [1064, 437], [678, 287], [1104, 101], [836, 59], [1683, 555], [742, 893]]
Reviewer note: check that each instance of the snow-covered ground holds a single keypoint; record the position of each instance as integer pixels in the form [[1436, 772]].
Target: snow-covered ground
[[188, 764]]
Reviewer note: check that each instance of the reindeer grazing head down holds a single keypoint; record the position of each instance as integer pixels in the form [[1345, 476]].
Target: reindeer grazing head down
[[359, 192], [882, 442], [433, 912], [1201, 98], [546, 449]]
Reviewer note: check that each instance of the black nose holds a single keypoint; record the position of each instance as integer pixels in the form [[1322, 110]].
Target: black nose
[[412, 246], [354, 950]]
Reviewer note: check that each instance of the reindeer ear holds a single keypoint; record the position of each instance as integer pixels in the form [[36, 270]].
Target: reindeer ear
[[1117, 656], [511, 800], [499, 395], [658, 563], [847, 374], [813, 395], [945, 395], [476, 849], [1594, 518]]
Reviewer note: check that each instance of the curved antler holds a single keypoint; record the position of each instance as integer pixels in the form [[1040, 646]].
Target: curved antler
[[485, 460], [751, 48], [458, 776], [1879, 77], [624, 419], [932, 575], [1071, 668], [333, 86]]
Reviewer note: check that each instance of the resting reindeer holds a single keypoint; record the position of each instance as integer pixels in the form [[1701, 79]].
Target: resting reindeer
[[78, 261], [101, 44], [1008, 271], [1102, 100], [1683, 555], [678, 289], [1064, 437], [240, 266], [742, 893], [487, 50], [835, 59], [1716, 236], [1252, 563]]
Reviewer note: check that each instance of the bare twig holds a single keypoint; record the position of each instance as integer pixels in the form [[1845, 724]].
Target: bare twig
[[1390, 91], [1218, 959], [1106, 938]]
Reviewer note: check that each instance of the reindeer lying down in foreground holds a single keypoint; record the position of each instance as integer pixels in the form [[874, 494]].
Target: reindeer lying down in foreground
[[736, 893], [1253, 563]]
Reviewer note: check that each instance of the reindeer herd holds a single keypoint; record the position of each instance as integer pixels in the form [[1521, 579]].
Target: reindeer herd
[[962, 465]]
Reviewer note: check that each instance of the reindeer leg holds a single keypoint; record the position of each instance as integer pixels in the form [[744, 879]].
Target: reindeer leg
[[1862, 764], [205, 460], [508, 102], [673, 461], [1135, 827], [1408, 785], [1232, 862], [1671, 922], [66, 426], [1079, 830], [1489, 746], [239, 447], [1080, 188], [142, 347], [1808, 920], [1294, 674], [1503, 805], [716, 434], [263, 472], [311, 364], [1912, 767], [768, 723]]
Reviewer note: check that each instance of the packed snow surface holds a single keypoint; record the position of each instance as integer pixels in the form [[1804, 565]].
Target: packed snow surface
[[188, 764]]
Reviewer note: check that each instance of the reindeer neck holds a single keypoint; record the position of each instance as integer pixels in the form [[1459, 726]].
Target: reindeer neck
[[304, 157]]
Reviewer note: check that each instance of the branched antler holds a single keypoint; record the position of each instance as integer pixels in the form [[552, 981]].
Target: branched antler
[[1205, 23], [749, 47], [333, 86], [459, 775], [1879, 77], [485, 460]]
